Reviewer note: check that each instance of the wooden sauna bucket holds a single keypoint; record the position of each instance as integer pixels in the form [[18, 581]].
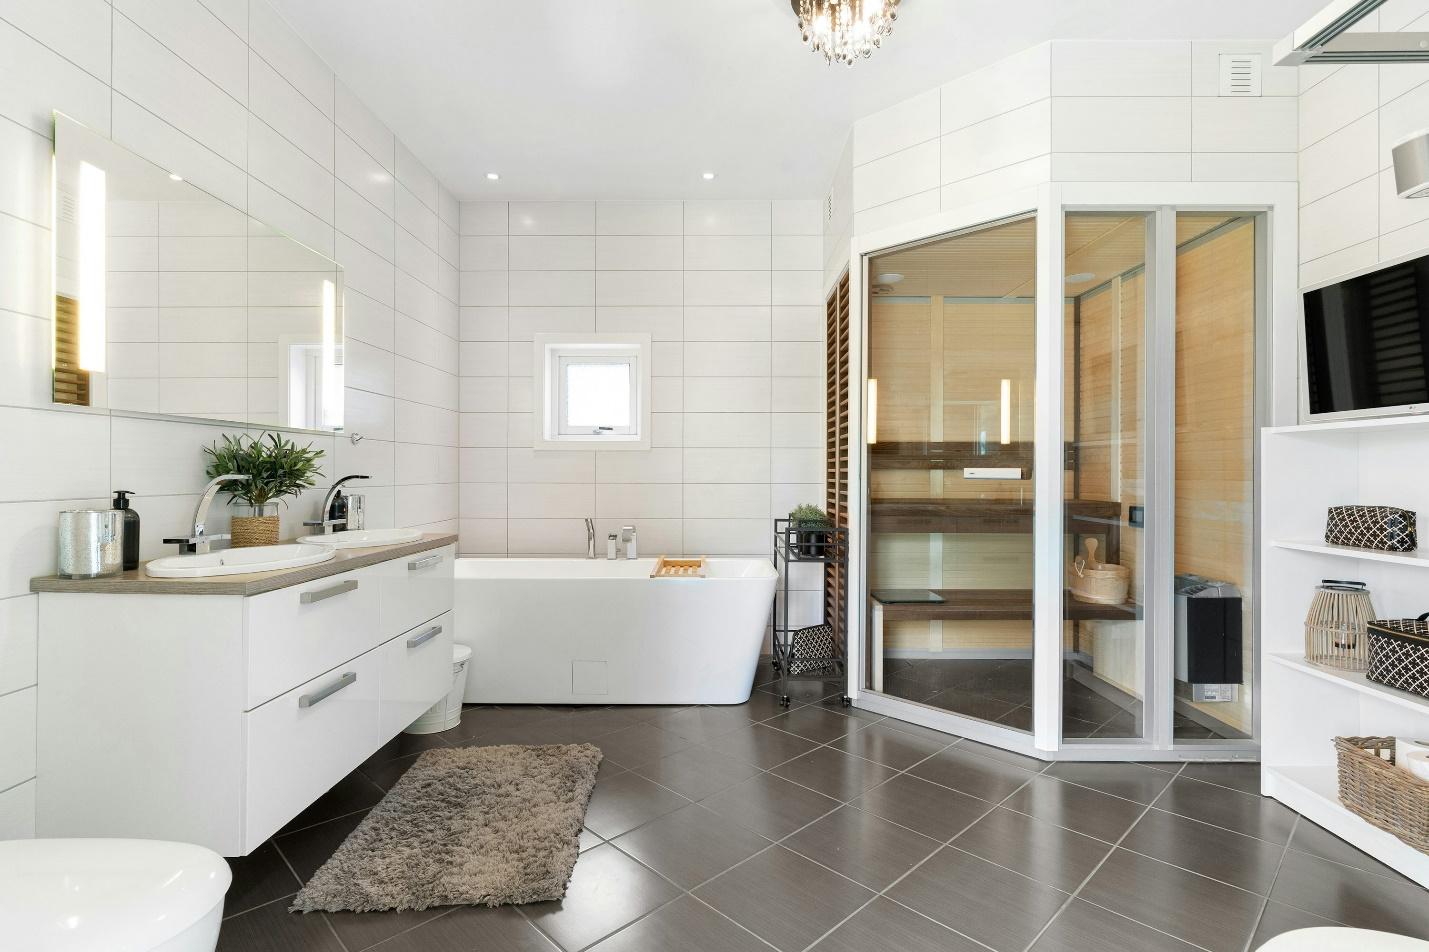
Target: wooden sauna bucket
[[1101, 583]]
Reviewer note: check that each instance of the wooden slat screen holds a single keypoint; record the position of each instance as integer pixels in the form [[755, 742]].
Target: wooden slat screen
[[836, 450], [71, 384]]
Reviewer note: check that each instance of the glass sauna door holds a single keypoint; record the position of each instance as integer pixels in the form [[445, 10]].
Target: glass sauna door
[[949, 422]]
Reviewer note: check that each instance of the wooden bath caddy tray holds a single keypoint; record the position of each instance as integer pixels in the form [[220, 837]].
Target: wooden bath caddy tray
[[679, 568]]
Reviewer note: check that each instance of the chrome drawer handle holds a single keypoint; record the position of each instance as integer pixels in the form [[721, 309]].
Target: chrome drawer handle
[[311, 700], [423, 563], [341, 588], [424, 637]]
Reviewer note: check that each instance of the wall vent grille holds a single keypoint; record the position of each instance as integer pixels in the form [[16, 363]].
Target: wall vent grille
[[1240, 74]]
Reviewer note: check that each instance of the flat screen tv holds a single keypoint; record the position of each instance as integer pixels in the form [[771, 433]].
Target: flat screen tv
[[1367, 344]]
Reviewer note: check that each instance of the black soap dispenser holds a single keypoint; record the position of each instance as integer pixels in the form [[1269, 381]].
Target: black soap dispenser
[[131, 528]]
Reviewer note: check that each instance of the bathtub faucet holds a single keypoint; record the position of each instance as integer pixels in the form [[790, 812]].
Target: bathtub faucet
[[590, 538], [627, 536]]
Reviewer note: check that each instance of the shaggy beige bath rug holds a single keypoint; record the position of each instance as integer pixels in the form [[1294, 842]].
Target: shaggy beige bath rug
[[464, 826]]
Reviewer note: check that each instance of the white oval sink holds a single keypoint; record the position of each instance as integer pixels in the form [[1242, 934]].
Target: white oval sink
[[361, 537], [258, 558]]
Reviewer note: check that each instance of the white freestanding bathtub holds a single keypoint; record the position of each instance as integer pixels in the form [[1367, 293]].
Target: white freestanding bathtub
[[595, 631]]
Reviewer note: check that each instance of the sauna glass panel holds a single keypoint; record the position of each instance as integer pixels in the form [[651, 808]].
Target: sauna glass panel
[[950, 419], [1104, 406], [1214, 476]]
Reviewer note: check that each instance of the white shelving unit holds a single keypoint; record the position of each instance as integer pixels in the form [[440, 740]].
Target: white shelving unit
[[1306, 469]]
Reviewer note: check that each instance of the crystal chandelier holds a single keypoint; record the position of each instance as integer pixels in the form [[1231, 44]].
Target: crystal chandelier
[[845, 30]]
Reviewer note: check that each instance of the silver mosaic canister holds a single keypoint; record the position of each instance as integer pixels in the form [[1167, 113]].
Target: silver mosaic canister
[[91, 543]]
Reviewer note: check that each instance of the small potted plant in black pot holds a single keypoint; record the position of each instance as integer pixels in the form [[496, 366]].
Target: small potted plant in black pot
[[811, 525]]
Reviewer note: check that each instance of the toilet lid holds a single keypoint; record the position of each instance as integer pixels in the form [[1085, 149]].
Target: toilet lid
[[1336, 939], [112, 894]]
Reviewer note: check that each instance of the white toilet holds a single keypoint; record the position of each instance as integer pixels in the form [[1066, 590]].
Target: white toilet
[[110, 895], [1341, 939]]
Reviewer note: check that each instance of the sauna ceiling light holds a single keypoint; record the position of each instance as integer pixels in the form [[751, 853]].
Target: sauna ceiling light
[[492, 176], [1081, 277], [707, 176], [176, 176], [845, 31], [892, 277]]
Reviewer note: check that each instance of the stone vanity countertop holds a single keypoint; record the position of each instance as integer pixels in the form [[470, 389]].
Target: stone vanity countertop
[[135, 582]]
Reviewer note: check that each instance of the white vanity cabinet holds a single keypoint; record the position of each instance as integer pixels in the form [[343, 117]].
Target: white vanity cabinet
[[216, 718]]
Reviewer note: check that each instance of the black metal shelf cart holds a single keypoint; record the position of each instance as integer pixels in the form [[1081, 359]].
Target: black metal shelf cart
[[811, 652]]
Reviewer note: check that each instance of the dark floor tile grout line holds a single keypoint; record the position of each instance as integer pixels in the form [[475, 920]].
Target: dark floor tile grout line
[[1072, 897], [1265, 903], [247, 909]]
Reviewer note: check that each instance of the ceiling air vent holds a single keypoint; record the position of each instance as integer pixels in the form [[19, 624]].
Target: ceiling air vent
[[1240, 74]]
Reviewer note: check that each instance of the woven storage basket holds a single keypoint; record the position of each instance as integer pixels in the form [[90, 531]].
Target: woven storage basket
[[1373, 788], [1335, 626], [254, 530]]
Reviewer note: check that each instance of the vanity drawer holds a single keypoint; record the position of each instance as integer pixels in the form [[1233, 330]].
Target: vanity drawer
[[302, 742], [416, 673], [416, 588], [296, 633]]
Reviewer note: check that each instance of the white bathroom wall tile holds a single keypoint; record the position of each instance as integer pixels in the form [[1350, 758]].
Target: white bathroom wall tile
[[139, 130], [783, 498], [1121, 166], [418, 423], [486, 501], [483, 324], [727, 394], [897, 128], [449, 245], [364, 270], [727, 536], [25, 359], [551, 253], [798, 395], [791, 430], [483, 358], [716, 253], [369, 414], [639, 253], [726, 501], [198, 37], [799, 358], [425, 505], [667, 394], [727, 359], [17, 811], [419, 300], [551, 218], [25, 249], [638, 288], [1400, 119], [364, 128], [1243, 167], [1340, 159], [796, 465], [481, 537], [1121, 68], [364, 222], [74, 462], [551, 288], [483, 395], [51, 83], [667, 359], [1337, 221], [274, 100], [550, 500], [1000, 141], [622, 466], [136, 254], [1244, 124], [520, 359], [802, 323], [727, 287], [375, 459], [797, 253], [637, 501], [1018, 176], [728, 218], [725, 465], [484, 253], [729, 430], [19, 639], [416, 259], [25, 191], [421, 383], [268, 205], [1396, 213], [482, 464], [17, 737], [662, 323], [364, 174], [1008, 84], [729, 323], [77, 30], [639, 218], [483, 289], [30, 527], [1206, 67], [896, 176], [1121, 124], [415, 215], [276, 42], [520, 429], [483, 218], [417, 179], [545, 536], [798, 217], [667, 430], [525, 465], [1348, 94], [795, 288]]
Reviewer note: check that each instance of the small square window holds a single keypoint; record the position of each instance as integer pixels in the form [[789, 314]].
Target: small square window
[[594, 389]]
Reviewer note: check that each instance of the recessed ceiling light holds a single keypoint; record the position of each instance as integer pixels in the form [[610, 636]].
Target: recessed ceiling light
[[892, 277], [176, 176], [492, 176], [1081, 277], [707, 176]]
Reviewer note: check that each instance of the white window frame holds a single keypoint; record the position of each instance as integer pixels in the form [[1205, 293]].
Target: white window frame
[[552, 353]]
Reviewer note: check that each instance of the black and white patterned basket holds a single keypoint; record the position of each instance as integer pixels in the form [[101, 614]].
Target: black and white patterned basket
[[1372, 527], [812, 648], [1399, 653]]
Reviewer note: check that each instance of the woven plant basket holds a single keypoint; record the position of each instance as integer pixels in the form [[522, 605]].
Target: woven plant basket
[[1373, 788], [254, 530]]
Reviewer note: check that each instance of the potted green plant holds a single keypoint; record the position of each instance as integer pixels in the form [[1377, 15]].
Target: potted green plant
[[275, 467], [811, 524]]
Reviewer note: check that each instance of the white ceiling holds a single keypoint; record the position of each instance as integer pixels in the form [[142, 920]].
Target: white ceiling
[[635, 98]]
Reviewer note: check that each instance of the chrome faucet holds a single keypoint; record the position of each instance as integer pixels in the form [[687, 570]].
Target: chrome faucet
[[627, 538], [323, 524], [198, 539], [590, 538]]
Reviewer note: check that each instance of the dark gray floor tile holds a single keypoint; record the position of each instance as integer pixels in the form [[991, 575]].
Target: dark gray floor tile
[[1041, 851], [697, 772], [476, 721], [691, 844], [816, 723], [272, 928], [761, 705], [685, 925], [1277, 919], [469, 928], [640, 744], [387, 773], [350, 794], [865, 848], [1082, 927], [1317, 841], [362, 930], [589, 840], [554, 730], [1128, 781], [700, 724], [886, 745], [888, 927], [307, 849], [808, 692], [258, 878], [995, 906], [984, 707], [770, 806], [608, 891], [588, 724], [784, 898], [404, 745], [1244, 776], [1209, 850], [972, 774], [1190, 907], [762, 746], [627, 800], [1351, 896], [918, 730], [1076, 808], [1245, 813], [922, 806], [1009, 757], [834, 773]]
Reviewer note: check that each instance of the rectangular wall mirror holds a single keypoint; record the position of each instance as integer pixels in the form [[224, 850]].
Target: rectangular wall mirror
[[170, 301]]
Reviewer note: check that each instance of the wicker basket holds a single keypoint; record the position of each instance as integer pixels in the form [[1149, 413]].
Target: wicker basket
[[1335, 626], [1388, 797], [254, 530]]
